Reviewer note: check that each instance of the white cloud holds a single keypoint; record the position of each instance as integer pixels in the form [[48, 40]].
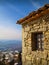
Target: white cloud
[[35, 4], [10, 33]]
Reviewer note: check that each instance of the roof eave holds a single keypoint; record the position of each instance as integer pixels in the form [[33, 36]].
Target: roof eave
[[34, 15]]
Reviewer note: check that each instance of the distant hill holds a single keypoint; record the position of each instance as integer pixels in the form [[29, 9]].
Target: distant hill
[[10, 45]]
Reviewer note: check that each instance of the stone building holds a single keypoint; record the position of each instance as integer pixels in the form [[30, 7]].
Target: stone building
[[35, 37]]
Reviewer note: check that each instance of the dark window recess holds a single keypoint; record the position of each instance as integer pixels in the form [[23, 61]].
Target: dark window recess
[[37, 41]]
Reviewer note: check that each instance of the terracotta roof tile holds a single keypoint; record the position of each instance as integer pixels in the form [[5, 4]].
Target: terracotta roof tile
[[35, 14]]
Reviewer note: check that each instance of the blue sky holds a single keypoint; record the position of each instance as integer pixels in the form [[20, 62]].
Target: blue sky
[[13, 10]]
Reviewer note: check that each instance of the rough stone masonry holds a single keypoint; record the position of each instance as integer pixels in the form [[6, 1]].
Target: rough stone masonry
[[30, 57]]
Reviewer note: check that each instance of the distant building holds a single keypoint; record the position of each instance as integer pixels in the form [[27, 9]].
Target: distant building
[[35, 37]]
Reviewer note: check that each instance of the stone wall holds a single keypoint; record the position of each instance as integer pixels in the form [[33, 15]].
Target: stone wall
[[30, 57]]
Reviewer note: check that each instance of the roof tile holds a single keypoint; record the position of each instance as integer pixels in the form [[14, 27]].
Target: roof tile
[[35, 14]]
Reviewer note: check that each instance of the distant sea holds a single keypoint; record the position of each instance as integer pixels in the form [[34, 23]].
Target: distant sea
[[10, 45]]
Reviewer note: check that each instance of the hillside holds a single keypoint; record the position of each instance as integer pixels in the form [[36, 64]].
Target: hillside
[[10, 45]]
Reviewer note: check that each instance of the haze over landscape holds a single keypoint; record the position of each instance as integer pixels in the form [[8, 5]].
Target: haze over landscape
[[10, 12]]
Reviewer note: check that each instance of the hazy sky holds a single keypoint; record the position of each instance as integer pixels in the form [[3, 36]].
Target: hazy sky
[[13, 10]]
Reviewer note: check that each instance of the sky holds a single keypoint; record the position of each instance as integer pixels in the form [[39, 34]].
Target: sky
[[13, 10]]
